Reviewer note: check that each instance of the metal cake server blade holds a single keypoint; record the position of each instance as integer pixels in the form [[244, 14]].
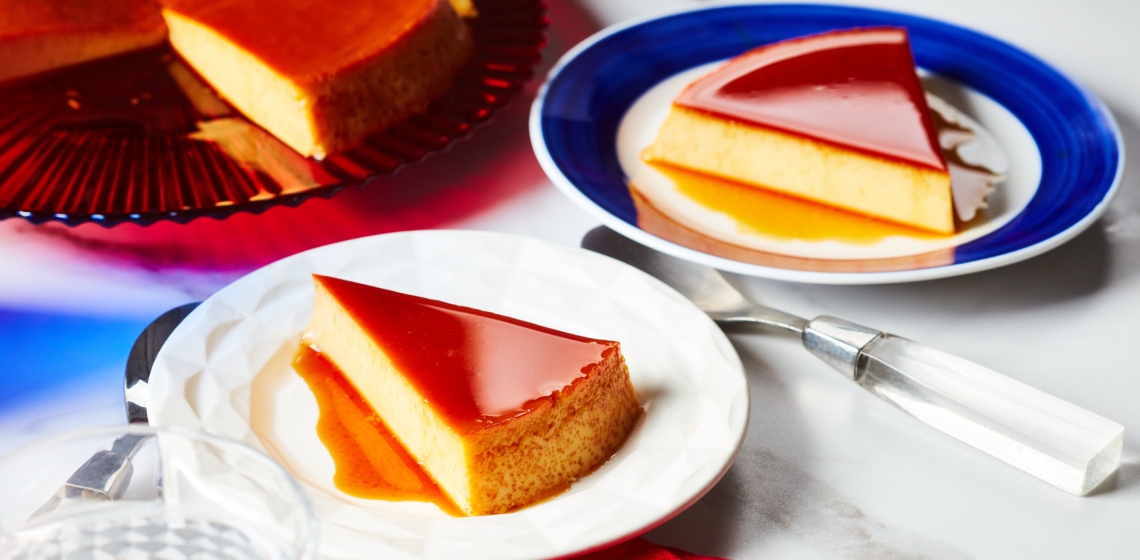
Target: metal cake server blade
[[1058, 442]]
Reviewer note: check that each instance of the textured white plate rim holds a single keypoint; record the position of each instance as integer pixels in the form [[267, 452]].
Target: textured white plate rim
[[546, 161], [160, 386]]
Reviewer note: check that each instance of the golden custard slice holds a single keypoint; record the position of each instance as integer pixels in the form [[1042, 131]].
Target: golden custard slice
[[499, 412], [321, 76], [839, 118], [41, 35]]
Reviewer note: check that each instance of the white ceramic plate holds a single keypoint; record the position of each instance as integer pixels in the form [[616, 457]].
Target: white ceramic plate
[[1022, 172], [226, 370]]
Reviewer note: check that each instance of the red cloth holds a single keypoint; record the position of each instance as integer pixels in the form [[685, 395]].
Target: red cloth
[[641, 549]]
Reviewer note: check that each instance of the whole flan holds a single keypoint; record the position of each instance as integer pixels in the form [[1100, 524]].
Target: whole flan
[[499, 412], [41, 35], [321, 76], [838, 118]]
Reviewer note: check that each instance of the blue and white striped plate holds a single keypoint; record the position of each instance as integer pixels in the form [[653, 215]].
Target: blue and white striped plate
[[1076, 150]]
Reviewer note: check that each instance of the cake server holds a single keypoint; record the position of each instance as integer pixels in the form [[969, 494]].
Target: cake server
[[1058, 442]]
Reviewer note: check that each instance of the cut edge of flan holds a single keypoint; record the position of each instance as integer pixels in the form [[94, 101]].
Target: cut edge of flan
[[795, 165], [502, 467], [859, 180], [327, 112]]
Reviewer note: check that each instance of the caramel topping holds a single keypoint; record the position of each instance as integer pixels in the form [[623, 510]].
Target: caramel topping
[[370, 462], [474, 368], [29, 18], [765, 212], [856, 89]]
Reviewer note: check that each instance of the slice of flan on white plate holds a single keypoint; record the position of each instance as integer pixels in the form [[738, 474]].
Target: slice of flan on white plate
[[498, 411]]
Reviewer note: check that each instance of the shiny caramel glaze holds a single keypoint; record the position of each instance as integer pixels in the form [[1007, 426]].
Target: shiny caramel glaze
[[970, 182], [856, 89], [308, 39], [658, 223], [41, 35], [370, 462], [474, 368], [769, 213], [20, 18]]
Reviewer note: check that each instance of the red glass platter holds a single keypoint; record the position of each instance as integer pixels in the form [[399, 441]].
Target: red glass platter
[[140, 137]]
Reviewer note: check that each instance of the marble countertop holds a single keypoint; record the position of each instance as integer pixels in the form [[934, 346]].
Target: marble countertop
[[827, 470]]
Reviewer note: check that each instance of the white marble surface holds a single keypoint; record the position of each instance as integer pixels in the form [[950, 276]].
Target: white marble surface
[[827, 471]]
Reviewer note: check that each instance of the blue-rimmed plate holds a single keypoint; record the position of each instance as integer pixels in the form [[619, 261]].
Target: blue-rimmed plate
[[603, 102]]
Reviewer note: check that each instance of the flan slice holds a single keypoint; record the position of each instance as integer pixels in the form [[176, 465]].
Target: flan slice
[[499, 412], [321, 76], [839, 118], [41, 35]]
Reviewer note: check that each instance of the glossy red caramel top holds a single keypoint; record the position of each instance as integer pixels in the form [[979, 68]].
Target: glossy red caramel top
[[303, 38], [856, 89], [474, 368], [23, 18]]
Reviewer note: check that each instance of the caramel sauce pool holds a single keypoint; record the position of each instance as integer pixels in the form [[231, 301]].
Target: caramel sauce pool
[[769, 213], [370, 462]]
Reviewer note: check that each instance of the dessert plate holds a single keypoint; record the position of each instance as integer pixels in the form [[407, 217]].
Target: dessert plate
[[227, 370], [603, 101], [140, 137]]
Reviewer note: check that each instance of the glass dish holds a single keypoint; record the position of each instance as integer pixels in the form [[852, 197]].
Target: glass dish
[[140, 492], [140, 138]]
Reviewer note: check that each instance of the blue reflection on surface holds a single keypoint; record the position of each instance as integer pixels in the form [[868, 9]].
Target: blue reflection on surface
[[43, 350]]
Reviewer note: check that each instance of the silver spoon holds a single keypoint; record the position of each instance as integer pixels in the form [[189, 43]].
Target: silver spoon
[[141, 359], [106, 474], [1042, 435]]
